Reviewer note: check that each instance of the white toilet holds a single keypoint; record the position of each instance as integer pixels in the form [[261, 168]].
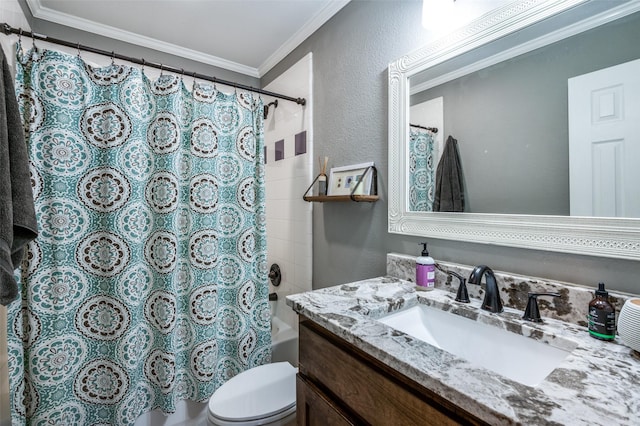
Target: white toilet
[[264, 395]]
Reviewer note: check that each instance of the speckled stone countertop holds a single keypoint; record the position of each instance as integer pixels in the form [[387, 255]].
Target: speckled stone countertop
[[597, 384]]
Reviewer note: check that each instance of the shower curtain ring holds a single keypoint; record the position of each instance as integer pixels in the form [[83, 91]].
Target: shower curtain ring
[[161, 69], [78, 47], [20, 36], [113, 56], [181, 74], [142, 69]]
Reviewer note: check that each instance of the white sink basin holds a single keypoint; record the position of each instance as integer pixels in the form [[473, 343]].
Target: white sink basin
[[514, 356]]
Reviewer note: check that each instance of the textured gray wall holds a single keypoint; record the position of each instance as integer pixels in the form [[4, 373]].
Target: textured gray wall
[[511, 119], [350, 241]]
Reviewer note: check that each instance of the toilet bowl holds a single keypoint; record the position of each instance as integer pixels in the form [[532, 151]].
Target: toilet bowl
[[264, 395]]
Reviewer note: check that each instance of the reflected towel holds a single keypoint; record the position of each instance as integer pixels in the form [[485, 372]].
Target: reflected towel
[[449, 184], [18, 223]]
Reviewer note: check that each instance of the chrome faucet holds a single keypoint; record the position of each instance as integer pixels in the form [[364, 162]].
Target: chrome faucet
[[492, 301]]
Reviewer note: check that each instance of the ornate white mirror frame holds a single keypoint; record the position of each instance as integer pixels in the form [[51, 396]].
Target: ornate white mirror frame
[[597, 236]]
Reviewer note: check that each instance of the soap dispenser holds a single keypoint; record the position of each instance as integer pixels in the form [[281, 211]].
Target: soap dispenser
[[425, 270], [602, 316]]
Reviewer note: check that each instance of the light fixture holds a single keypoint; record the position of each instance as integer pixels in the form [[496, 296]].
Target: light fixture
[[437, 14]]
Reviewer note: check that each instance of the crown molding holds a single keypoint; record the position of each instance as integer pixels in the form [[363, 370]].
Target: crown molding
[[331, 8], [302, 34], [54, 16]]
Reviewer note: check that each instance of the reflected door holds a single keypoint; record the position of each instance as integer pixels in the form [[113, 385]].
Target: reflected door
[[604, 142]]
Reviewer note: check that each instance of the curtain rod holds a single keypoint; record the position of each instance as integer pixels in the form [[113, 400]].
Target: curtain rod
[[431, 129], [8, 29]]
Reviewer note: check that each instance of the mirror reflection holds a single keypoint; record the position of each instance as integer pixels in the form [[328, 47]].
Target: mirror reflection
[[555, 131]]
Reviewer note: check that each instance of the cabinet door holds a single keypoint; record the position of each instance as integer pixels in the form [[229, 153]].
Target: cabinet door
[[369, 390], [314, 408]]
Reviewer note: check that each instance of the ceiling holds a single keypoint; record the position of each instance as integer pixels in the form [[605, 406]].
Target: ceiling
[[245, 36]]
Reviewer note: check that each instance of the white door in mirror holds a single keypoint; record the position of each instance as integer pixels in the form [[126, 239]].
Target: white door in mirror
[[604, 142]]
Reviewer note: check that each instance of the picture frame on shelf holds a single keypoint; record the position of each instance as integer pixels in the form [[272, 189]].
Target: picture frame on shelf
[[342, 180]]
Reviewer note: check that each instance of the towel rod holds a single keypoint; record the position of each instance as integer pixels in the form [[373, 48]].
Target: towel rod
[[431, 129], [8, 29]]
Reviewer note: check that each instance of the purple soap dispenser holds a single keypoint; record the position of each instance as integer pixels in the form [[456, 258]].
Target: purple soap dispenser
[[425, 270]]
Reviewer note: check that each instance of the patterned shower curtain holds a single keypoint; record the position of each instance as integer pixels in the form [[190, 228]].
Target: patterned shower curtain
[[148, 282], [422, 180]]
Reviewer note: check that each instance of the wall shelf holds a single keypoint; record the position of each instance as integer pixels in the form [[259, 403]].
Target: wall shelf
[[351, 197], [341, 198]]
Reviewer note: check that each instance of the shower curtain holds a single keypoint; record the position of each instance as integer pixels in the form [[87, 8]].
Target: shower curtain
[[421, 171], [148, 283]]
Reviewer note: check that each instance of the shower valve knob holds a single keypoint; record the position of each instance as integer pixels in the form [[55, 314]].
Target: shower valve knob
[[275, 275]]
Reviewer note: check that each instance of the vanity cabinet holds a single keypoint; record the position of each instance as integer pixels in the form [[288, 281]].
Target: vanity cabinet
[[339, 384], [315, 408]]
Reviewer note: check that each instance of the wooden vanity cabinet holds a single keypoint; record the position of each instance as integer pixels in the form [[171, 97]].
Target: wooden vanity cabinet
[[339, 384]]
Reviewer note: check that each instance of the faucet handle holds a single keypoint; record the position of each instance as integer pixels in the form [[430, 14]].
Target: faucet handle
[[532, 313], [462, 295]]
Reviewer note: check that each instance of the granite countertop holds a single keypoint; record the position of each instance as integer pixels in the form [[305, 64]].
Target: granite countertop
[[597, 384]]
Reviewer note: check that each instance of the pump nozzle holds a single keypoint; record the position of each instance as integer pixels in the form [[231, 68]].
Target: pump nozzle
[[601, 291], [425, 252]]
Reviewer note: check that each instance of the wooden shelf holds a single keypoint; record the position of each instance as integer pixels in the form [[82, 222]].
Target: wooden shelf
[[346, 198], [341, 198]]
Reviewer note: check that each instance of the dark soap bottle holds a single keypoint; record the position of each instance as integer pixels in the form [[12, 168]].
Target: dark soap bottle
[[602, 316]]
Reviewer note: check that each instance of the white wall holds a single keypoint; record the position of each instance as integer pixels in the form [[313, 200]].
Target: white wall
[[431, 114], [289, 217]]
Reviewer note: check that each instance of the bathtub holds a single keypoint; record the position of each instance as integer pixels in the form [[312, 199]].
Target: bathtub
[[284, 347], [284, 342]]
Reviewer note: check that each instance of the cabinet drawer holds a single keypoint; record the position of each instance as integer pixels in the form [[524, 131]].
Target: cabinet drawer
[[375, 393], [314, 408]]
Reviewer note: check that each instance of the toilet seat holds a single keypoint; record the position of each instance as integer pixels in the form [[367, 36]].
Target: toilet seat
[[257, 396]]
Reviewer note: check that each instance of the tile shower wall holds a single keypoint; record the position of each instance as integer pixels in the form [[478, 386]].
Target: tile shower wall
[[11, 13], [289, 168]]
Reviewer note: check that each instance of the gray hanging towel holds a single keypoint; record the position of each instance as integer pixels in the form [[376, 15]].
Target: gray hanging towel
[[449, 184], [18, 223]]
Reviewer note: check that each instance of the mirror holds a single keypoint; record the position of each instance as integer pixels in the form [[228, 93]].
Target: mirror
[[512, 117], [501, 211]]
